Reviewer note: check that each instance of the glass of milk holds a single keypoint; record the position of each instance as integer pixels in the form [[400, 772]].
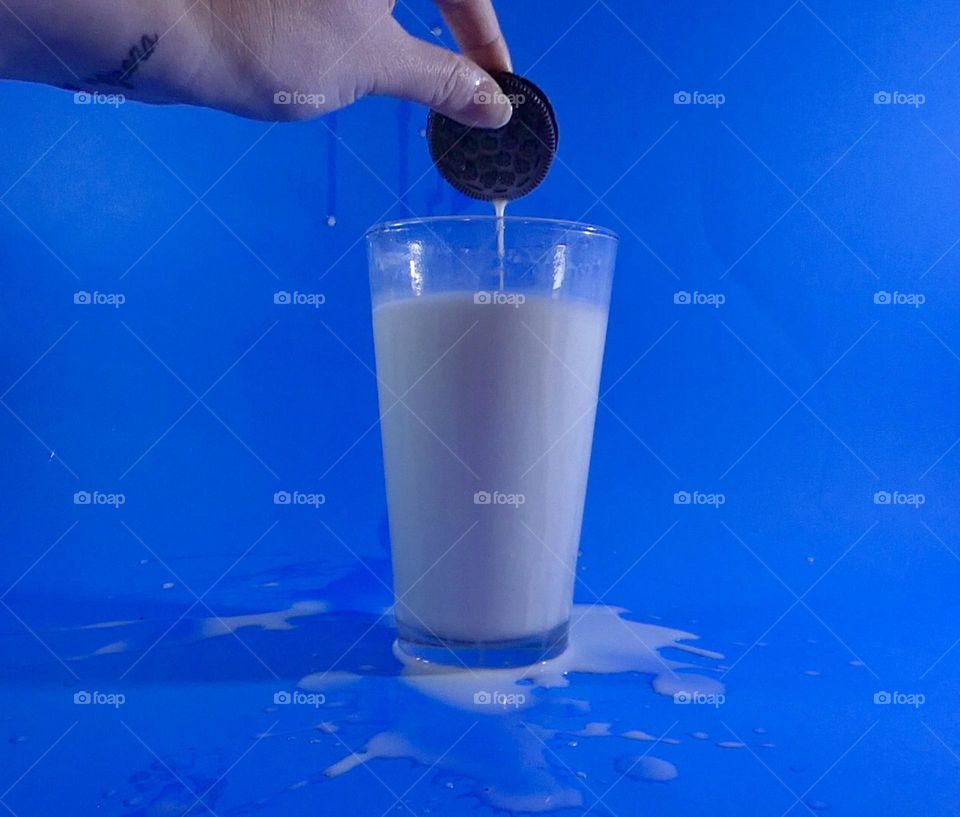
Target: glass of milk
[[489, 339]]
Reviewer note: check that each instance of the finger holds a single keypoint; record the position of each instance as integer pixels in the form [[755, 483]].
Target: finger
[[477, 32], [449, 83]]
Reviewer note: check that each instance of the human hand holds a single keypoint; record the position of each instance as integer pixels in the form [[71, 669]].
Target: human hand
[[296, 59]]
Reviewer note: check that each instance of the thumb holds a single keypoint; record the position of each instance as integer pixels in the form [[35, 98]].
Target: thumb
[[446, 82]]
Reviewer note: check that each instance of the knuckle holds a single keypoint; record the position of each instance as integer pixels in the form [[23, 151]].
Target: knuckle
[[450, 81]]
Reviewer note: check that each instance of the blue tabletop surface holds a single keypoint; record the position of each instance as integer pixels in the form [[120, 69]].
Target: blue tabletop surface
[[800, 160]]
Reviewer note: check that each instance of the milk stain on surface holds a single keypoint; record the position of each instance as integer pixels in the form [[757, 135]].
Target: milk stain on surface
[[478, 723], [512, 737]]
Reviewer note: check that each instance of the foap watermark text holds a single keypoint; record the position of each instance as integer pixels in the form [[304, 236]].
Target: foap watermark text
[[98, 98], [895, 698], [899, 498], [899, 98], [914, 299], [498, 498], [299, 98], [114, 299], [296, 298], [99, 498], [96, 698], [498, 98], [504, 699], [498, 298], [298, 498], [295, 697], [714, 699], [698, 498], [699, 98], [714, 299]]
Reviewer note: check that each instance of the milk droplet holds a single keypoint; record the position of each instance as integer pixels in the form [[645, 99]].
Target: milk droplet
[[638, 734], [594, 730], [645, 767], [331, 221]]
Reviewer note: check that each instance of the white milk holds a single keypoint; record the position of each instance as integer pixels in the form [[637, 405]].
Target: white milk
[[486, 457]]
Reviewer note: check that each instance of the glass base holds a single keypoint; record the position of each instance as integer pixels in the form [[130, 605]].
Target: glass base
[[517, 652]]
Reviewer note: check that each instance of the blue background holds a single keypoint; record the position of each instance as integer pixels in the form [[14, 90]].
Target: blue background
[[797, 199]]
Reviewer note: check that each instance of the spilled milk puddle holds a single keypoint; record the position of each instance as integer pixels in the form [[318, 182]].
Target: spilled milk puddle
[[485, 724], [324, 691]]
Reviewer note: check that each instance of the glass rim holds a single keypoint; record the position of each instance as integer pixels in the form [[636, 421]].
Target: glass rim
[[580, 227]]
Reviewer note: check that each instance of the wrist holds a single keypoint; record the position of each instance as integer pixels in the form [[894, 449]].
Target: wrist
[[148, 50]]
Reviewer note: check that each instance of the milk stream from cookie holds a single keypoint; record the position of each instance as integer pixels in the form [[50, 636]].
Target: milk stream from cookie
[[499, 208], [486, 457]]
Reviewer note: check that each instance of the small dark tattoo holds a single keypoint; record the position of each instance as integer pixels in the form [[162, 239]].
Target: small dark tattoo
[[122, 77]]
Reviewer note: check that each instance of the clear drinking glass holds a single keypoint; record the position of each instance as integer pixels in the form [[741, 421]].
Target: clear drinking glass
[[488, 346]]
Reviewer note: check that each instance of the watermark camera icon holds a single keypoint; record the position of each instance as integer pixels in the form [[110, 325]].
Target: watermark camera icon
[[882, 98], [281, 297], [82, 98], [682, 98], [282, 697], [482, 498], [81, 498], [482, 298], [82, 697], [282, 498], [881, 498], [81, 297], [681, 297], [482, 698], [682, 498], [282, 98], [682, 697]]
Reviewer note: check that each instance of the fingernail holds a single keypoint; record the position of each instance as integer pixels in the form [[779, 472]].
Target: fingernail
[[489, 108]]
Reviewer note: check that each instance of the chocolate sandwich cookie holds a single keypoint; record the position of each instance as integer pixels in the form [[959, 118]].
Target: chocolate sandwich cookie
[[500, 163]]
